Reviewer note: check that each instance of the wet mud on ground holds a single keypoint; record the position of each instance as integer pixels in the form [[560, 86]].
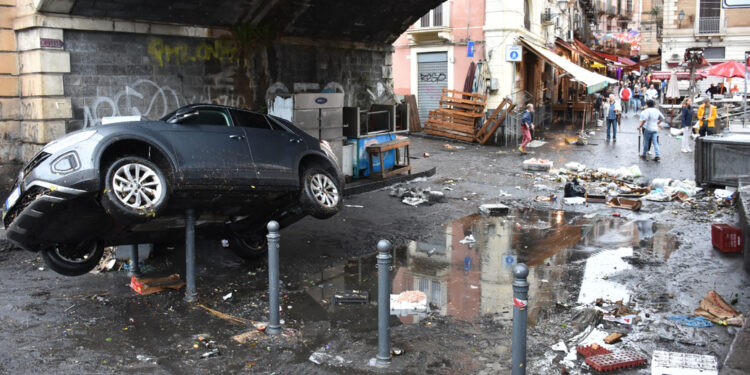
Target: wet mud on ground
[[659, 259]]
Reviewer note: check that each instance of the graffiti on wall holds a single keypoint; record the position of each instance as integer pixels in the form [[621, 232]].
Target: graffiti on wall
[[432, 77], [182, 53], [150, 100]]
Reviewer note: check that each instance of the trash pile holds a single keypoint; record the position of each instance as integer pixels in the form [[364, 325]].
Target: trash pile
[[666, 189], [535, 164], [414, 196]]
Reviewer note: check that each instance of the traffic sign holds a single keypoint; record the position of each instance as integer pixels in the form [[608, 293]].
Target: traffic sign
[[514, 53], [729, 4]]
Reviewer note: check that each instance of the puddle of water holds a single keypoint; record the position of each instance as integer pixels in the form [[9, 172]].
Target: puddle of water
[[568, 255]]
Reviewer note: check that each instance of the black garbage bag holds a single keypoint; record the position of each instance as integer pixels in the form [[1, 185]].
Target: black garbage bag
[[573, 189]]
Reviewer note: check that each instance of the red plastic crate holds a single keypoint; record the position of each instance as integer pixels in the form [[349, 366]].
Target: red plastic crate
[[727, 238], [592, 350], [617, 360]]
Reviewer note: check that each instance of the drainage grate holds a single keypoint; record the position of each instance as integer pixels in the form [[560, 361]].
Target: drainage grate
[[618, 360]]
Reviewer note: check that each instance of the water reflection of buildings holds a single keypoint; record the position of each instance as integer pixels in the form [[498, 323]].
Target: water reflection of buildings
[[471, 279]]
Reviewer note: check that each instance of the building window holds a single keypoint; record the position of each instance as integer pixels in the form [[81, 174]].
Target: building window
[[527, 15], [433, 18], [714, 53], [709, 21]]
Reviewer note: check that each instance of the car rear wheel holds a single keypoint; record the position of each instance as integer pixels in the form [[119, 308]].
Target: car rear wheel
[[250, 247], [135, 189], [321, 194], [73, 259]]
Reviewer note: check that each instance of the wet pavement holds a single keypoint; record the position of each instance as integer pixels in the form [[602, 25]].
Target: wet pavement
[[659, 259]]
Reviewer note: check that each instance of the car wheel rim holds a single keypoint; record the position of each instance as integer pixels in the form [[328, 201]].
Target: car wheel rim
[[76, 254], [324, 190], [137, 186]]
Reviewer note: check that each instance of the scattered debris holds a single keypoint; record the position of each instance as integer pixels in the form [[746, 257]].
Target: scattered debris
[[354, 206], [715, 309], [691, 321], [154, 285], [627, 319], [249, 336], [496, 209], [663, 362], [628, 204], [426, 155], [351, 296], [536, 143], [211, 353], [545, 198], [227, 296], [574, 200], [396, 351], [449, 146], [227, 317], [411, 301], [535, 164], [320, 357], [613, 338], [574, 189]]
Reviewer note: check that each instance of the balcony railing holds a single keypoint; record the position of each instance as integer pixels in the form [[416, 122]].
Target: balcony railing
[[709, 25]]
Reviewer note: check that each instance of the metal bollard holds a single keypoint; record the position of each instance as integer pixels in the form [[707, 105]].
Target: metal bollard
[[520, 305], [190, 293], [135, 269], [384, 303], [274, 328]]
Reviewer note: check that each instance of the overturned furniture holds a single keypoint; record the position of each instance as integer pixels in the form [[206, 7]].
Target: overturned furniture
[[459, 114]]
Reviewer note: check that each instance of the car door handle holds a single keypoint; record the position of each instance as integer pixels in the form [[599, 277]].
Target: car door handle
[[236, 136], [295, 140]]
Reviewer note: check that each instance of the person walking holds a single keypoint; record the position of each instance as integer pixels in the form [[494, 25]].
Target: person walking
[[625, 94], [650, 120], [686, 118], [527, 124], [611, 109], [637, 94], [651, 93], [706, 118]]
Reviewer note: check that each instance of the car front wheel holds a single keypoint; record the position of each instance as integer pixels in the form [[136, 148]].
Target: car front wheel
[[250, 247], [135, 189], [73, 259], [321, 194]]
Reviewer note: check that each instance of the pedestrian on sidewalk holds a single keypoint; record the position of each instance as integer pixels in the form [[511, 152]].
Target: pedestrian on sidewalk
[[650, 120], [625, 94], [687, 123], [611, 111], [527, 124], [706, 118], [637, 95]]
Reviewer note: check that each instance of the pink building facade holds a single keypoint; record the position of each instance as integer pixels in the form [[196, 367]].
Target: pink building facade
[[434, 53]]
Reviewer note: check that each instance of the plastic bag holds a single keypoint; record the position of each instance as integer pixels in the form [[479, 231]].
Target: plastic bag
[[573, 189]]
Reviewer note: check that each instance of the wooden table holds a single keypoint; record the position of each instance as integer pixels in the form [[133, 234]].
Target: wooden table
[[380, 148]]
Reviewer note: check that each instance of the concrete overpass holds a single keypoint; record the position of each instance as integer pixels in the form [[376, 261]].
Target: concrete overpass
[[65, 64]]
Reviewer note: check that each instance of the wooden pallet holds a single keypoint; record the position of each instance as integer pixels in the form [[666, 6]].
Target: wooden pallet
[[485, 132]]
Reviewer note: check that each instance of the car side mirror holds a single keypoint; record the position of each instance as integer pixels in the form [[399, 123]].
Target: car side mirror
[[179, 117]]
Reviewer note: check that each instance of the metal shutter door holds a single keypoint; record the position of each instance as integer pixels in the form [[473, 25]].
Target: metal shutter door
[[432, 79]]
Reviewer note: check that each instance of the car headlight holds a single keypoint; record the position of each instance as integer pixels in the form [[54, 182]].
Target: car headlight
[[66, 163], [67, 141]]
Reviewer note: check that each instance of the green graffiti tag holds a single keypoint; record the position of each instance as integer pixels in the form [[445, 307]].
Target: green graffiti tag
[[181, 53]]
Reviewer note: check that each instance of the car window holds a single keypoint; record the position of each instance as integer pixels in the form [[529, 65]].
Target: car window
[[249, 119], [208, 117]]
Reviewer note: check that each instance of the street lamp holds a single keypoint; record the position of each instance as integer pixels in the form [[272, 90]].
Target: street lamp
[[681, 16]]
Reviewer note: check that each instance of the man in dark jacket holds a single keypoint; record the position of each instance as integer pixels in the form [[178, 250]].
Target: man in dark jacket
[[686, 120]]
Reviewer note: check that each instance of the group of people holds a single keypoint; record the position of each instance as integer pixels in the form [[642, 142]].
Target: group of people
[[721, 90]]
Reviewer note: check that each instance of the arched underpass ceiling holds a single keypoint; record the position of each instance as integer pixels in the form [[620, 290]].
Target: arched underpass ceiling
[[379, 21]]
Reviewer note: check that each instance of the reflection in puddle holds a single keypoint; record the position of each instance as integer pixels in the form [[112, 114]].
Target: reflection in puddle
[[465, 279]]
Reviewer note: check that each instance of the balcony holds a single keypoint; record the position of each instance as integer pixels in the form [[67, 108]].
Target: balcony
[[709, 26], [547, 18]]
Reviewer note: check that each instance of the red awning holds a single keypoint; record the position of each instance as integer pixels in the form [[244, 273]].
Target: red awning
[[591, 54]]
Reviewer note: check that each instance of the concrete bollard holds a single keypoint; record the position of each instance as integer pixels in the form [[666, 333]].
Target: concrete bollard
[[191, 295], [520, 310], [274, 327], [384, 303]]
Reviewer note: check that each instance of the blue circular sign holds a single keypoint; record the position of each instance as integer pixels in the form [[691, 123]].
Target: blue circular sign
[[513, 55], [321, 100], [509, 259]]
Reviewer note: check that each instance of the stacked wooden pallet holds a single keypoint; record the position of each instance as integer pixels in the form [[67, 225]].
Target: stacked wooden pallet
[[459, 113]]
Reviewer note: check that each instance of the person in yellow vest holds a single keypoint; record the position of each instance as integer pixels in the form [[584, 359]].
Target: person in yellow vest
[[707, 119]]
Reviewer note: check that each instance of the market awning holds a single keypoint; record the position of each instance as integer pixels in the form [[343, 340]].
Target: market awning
[[588, 52], [594, 82], [626, 61], [655, 60]]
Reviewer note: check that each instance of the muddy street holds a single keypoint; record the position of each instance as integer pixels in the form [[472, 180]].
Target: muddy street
[[583, 259]]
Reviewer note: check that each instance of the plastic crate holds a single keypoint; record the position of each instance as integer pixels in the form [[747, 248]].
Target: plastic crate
[[616, 361], [727, 238]]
